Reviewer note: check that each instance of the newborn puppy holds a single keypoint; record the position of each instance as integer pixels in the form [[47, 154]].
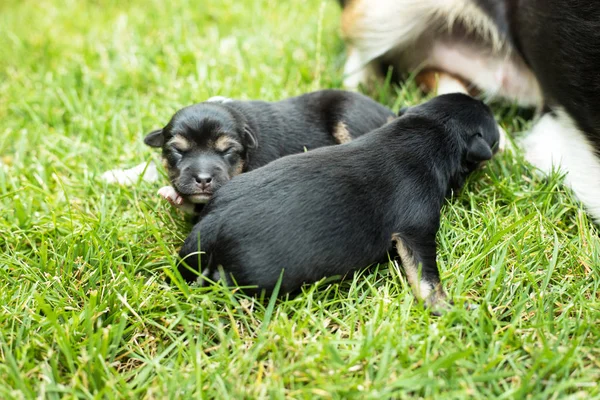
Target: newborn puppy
[[206, 144], [335, 210]]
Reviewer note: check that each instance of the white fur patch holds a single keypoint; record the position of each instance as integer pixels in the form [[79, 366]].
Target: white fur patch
[[147, 172], [356, 70], [219, 99], [424, 289], [374, 27], [556, 142]]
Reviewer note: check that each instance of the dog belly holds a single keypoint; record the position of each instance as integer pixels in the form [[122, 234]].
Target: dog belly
[[497, 74]]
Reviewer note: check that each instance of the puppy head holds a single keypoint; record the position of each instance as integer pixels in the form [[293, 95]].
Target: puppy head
[[470, 133], [203, 147], [467, 120]]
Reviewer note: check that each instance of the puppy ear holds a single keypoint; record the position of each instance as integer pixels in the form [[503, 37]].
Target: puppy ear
[[403, 111], [155, 138], [478, 149], [250, 138]]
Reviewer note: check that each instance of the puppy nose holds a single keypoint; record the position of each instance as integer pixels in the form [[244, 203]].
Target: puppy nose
[[203, 180]]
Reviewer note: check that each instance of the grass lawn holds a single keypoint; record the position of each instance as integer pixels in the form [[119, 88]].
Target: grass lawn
[[84, 309]]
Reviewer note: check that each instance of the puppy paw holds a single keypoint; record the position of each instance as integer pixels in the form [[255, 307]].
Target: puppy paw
[[168, 193], [438, 301], [440, 305]]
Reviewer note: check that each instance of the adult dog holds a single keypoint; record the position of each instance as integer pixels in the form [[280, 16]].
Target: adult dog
[[542, 53]]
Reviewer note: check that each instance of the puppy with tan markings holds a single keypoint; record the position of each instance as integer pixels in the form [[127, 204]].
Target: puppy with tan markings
[[335, 210], [206, 144]]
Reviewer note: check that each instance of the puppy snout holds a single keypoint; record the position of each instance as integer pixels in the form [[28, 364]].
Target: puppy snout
[[204, 181]]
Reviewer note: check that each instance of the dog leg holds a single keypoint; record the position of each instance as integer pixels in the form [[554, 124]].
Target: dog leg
[[357, 71], [418, 262], [556, 142], [170, 194]]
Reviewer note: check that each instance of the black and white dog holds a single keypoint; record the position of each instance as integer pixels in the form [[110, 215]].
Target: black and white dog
[[541, 53], [338, 209], [206, 144]]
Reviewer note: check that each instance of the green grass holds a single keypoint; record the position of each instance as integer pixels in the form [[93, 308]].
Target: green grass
[[85, 312]]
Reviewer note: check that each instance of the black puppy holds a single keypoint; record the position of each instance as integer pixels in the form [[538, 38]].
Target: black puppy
[[205, 145], [338, 209]]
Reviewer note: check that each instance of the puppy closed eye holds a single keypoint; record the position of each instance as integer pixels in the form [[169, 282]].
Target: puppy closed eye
[[227, 145], [179, 144], [229, 152], [174, 156], [179, 149]]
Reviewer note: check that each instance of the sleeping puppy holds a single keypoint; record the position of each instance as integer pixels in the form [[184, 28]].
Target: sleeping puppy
[[536, 53], [206, 144], [335, 210]]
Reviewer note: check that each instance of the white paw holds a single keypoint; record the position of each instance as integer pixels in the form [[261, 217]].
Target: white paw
[[356, 71], [543, 146], [556, 143], [147, 172], [169, 194]]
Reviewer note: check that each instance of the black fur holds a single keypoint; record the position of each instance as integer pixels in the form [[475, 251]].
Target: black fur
[[335, 210], [560, 41], [260, 132]]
